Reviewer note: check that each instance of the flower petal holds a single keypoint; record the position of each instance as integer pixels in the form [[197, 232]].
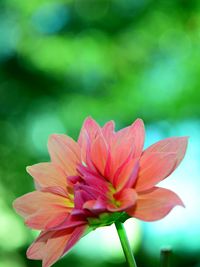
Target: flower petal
[[121, 151], [95, 206], [99, 153], [32, 202], [126, 176], [60, 243], [126, 144], [176, 145], [126, 198], [154, 204], [154, 167], [46, 219], [55, 190], [70, 222], [85, 146], [78, 232], [93, 179], [108, 131], [47, 175], [91, 127], [36, 250], [137, 132], [41, 209], [64, 152], [54, 248]]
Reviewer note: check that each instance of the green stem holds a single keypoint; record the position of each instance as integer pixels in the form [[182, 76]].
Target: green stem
[[125, 244], [165, 257]]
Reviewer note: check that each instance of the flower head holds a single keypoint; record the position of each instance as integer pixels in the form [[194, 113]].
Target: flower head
[[103, 177]]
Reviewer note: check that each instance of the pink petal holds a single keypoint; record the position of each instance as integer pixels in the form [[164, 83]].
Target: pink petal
[[78, 232], [32, 202], [154, 204], [176, 145], [70, 222], [41, 209], [47, 175], [154, 167], [92, 191], [80, 198], [95, 206], [93, 179], [54, 248], [85, 150], [55, 190], [108, 131], [126, 175], [90, 132], [45, 219], [137, 132], [99, 153], [60, 243], [126, 198], [85, 146], [127, 143], [91, 127], [121, 151], [36, 250], [64, 152]]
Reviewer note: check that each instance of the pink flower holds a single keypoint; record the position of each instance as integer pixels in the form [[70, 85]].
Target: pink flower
[[104, 177]]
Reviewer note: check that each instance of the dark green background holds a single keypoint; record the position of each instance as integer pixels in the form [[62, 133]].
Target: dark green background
[[63, 60]]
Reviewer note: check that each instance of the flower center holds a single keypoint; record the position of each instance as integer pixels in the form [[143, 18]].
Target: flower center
[[110, 195]]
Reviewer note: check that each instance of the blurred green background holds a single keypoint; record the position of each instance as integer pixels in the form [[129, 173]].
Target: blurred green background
[[63, 60]]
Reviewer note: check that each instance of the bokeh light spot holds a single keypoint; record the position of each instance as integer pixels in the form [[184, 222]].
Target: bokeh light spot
[[40, 128], [50, 18], [100, 242]]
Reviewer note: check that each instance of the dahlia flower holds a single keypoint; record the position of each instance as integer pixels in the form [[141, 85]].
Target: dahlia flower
[[103, 178]]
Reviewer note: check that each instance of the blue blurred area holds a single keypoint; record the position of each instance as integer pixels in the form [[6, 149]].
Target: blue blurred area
[[62, 60], [50, 18]]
